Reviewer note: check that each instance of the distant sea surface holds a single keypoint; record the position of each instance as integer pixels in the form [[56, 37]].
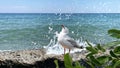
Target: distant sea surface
[[19, 31]]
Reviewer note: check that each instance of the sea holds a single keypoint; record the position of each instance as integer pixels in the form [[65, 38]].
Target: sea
[[23, 31]]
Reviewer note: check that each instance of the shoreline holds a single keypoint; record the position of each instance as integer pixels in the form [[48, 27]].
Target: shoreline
[[36, 58]]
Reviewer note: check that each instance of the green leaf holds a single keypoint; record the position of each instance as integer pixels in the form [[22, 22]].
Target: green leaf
[[56, 63], [103, 59], [90, 54], [77, 65], [117, 64], [117, 50], [114, 33], [108, 67], [92, 66], [100, 48], [114, 61], [92, 49], [113, 54], [88, 43], [67, 61], [94, 60], [110, 58], [112, 44]]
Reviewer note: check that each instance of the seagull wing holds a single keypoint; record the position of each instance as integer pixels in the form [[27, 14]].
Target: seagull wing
[[73, 42]]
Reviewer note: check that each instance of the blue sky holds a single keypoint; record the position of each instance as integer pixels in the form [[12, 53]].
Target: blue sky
[[59, 6]]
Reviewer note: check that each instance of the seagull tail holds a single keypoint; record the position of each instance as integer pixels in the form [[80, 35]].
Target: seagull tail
[[80, 47]]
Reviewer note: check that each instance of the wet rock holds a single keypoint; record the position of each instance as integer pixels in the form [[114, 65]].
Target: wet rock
[[35, 59]]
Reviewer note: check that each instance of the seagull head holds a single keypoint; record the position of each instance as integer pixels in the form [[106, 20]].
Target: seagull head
[[64, 29], [63, 26]]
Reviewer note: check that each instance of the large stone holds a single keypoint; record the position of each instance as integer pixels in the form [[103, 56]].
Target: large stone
[[34, 59]]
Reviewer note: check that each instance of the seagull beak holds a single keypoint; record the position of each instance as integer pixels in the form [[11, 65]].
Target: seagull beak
[[63, 26]]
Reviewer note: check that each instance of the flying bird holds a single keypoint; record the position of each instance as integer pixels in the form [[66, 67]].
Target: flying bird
[[66, 41]]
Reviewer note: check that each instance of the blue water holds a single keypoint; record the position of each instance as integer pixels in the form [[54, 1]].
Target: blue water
[[19, 31]]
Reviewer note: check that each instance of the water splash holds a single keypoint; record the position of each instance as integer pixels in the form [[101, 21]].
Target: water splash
[[67, 16], [60, 17], [50, 29], [55, 48]]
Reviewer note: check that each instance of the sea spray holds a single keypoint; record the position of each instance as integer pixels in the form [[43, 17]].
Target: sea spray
[[58, 49], [55, 48], [22, 31]]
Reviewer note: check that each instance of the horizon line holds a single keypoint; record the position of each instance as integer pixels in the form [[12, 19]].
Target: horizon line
[[52, 13]]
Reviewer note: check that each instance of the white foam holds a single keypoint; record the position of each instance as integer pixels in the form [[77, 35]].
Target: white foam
[[58, 49], [55, 48], [4, 50]]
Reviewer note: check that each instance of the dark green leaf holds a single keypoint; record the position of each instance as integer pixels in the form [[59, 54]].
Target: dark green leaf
[[112, 44], [108, 66], [117, 50], [100, 48], [92, 49], [90, 54], [67, 61], [92, 66], [88, 43], [117, 64], [94, 60], [77, 65], [114, 33], [110, 58], [103, 59], [56, 63], [114, 61], [113, 54]]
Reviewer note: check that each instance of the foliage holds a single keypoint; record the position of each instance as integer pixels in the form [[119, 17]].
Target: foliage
[[112, 44], [114, 33], [56, 63], [94, 50], [107, 61], [117, 50], [96, 56], [95, 60], [69, 63]]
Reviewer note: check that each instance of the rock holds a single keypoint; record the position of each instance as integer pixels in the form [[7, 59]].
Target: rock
[[34, 59]]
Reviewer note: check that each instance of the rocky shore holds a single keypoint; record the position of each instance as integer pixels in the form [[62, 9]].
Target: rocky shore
[[34, 59]]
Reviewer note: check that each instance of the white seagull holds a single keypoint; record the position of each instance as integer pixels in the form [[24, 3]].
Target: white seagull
[[66, 41]]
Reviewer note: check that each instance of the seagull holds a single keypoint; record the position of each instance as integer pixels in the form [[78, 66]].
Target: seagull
[[65, 40]]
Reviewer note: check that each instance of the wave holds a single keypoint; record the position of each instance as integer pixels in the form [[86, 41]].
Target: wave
[[34, 31], [55, 48]]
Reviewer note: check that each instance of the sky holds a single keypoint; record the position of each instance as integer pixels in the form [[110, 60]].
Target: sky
[[59, 6]]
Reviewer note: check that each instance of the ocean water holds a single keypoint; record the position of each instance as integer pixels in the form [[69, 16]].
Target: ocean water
[[20, 31]]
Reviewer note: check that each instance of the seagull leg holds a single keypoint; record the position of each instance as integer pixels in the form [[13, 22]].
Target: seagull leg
[[69, 51], [64, 51]]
